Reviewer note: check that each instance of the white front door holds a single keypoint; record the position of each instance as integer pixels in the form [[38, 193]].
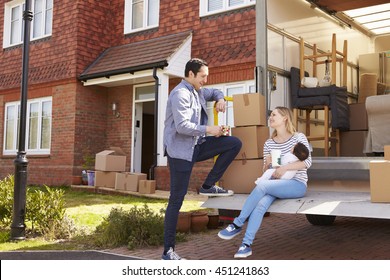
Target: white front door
[[137, 148], [143, 128]]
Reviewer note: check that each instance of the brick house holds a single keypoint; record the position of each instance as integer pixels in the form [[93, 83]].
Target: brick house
[[87, 55]]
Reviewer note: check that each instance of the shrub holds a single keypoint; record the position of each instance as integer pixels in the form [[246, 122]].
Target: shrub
[[135, 227], [6, 200], [4, 236], [45, 210]]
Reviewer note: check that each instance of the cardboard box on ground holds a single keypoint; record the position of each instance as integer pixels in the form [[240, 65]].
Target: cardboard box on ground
[[380, 178], [110, 166], [105, 179], [113, 159], [128, 181], [147, 186], [250, 127]]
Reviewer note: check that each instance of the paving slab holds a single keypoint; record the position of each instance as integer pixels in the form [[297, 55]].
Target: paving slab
[[289, 237]]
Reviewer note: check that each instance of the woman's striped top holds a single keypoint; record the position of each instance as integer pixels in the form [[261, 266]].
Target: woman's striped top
[[286, 147]]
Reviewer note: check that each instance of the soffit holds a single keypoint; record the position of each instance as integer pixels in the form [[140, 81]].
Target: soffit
[[136, 56]]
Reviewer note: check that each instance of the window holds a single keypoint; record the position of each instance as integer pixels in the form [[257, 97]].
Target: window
[[209, 7], [229, 90], [41, 25], [141, 14], [144, 92], [38, 127]]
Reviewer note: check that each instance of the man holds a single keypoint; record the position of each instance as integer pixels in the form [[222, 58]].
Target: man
[[185, 142]]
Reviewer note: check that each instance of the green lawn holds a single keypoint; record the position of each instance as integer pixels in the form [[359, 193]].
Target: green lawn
[[87, 210]]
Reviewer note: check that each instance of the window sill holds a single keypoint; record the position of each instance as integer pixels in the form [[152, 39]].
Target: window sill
[[220, 13], [32, 42], [141, 32], [28, 156]]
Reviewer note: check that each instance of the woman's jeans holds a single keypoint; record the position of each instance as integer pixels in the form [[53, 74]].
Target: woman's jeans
[[261, 198], [180, 172]]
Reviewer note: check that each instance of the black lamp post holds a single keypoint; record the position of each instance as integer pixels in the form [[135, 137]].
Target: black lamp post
[[19, 211]]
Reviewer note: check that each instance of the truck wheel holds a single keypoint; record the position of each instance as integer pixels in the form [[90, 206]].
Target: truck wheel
[[320, 220]]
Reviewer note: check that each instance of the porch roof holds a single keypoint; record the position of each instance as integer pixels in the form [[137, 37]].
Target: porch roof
[[136, 56]]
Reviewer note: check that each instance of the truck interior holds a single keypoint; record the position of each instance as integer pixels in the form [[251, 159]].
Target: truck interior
[[339, 184]]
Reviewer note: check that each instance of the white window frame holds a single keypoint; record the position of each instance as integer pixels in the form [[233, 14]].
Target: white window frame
[[7, 22], [203, 4], [15, 128], [129, 19], [227, 117]]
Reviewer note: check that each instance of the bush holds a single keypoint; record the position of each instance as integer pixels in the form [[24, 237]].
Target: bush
[[45, 210], [6, 201], [134, 228]]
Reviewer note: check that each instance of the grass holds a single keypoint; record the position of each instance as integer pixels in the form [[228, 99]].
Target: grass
[[88, 211]]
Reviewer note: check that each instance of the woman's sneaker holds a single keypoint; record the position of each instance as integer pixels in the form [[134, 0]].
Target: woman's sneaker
[[243, 252], [215, 191], [229, 232], [171, 256]]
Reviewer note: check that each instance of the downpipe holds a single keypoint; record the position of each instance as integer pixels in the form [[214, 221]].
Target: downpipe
[[151, 174]]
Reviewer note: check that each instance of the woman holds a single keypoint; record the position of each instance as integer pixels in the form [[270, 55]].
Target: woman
[[283, 138]]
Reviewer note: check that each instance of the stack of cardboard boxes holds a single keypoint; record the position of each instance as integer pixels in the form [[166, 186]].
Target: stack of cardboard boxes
[[110, 172], [107, 164], [352, 141], [380, 178], [251, 128]]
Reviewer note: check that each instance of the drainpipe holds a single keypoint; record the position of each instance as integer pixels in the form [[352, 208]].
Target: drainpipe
[[151, 169]]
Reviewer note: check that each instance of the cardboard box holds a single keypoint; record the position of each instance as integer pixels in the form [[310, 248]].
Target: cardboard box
[[128, 181], [368, 86], [105, 179], [147, 186], [352, 143], [241, 175], [253, 139], [379, 180], [113, 159], [387, 152], [249, 109], [358, 116]]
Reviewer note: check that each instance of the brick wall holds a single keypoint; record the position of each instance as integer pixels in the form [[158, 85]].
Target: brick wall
[[98, 27], [45, 169], [80, 33], [225, 39], [83, 122]]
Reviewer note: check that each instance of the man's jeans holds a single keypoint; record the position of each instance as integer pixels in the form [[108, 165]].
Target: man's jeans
[[180, 172], [261, 199]]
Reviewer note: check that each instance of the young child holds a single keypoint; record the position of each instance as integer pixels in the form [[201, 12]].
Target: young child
[[299, 152]]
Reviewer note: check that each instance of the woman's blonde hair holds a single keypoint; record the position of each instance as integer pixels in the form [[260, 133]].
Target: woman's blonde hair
[[285, 112]]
